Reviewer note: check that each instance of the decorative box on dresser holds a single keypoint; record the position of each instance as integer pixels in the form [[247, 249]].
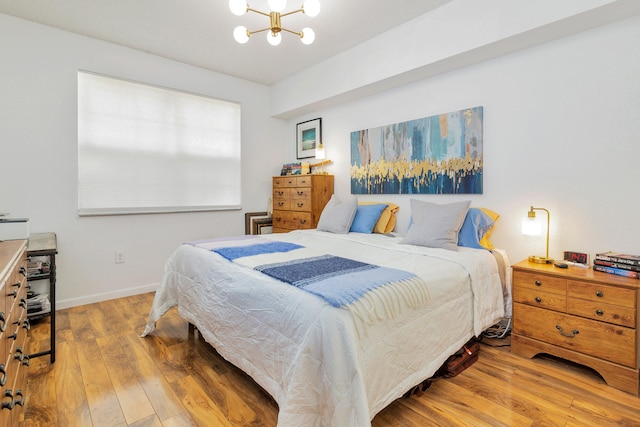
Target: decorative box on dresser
[[298, 201], [14, 326], [580, 315]]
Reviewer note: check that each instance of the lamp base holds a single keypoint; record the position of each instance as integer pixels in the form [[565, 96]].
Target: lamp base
[[540, 259]]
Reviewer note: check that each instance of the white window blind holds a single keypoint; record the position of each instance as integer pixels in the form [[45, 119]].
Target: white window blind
[[144, 149]]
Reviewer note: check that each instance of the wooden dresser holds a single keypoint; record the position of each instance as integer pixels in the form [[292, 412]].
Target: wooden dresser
[[580, 315], [14, 326], [298, 201]]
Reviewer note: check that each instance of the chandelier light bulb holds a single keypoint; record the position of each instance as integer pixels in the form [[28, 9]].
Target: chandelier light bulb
[[238, 7], [311, 7], [277, 5], [308, 36], [240, 34], [274, 39]]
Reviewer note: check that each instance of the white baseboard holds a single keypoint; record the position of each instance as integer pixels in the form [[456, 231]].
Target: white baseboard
[[90, 299]]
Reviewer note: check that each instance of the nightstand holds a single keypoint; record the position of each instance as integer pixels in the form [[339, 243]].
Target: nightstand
[[580, 315]]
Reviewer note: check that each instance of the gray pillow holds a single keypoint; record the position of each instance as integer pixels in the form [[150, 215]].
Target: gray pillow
[[434, 225], [337, 217]]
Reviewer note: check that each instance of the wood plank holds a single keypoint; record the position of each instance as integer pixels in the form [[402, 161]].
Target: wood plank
[[202, 409], [101, 396], [71, 399], [158, 391], [133, 400]]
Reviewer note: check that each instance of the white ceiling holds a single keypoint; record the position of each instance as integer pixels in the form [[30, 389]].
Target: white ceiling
[[200, 32]]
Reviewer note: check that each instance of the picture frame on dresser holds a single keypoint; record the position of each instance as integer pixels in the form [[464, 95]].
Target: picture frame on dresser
[[308, 137]]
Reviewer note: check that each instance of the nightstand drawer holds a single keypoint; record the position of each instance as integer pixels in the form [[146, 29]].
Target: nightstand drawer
[[540, 281], [616, 344], [602, 293], [623, 316], [538, 298]]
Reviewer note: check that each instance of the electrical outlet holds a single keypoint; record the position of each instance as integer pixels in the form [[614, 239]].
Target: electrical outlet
[[119, 259]]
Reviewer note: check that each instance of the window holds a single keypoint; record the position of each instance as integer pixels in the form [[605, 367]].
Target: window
[[144, 149]]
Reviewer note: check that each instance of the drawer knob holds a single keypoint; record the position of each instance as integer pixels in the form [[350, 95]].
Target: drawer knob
[[21, 400], [280, 204], [10, 404], [300, 192], [538, 283], [3, 372], [599, 312], [23, 271], [599, 294], [538, 299], [564, 334], [303, 221], [300, 204]]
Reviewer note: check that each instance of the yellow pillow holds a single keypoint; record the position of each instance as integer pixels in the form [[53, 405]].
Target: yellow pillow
[[387, 221], [484, 242]]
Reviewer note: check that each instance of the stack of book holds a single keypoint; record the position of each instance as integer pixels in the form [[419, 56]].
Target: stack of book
[[38, 305], [619, 264]]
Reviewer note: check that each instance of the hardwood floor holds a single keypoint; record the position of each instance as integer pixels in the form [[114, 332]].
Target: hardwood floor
[[106, 375]]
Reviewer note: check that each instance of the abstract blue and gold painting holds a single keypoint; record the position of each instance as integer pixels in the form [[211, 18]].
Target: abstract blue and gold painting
[[433, 155]]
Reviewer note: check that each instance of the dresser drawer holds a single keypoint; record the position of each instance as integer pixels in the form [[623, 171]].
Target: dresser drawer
[[543, 282], [602, 293], [623, 316], [292, 220], [300, 199], [616, 344], [303, 181], [539, 298], [285, 181], [281, 199]]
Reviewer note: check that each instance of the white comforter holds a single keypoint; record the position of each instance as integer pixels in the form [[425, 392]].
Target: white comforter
[[320, 368]]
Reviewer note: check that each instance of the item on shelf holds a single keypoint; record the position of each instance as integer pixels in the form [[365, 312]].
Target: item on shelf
[[38, 305], [298, 168]]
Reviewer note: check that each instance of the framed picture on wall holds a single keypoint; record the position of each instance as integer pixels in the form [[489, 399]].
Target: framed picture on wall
[[309, 137]]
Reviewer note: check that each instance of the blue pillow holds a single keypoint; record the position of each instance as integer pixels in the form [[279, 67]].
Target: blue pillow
[[474, 227], [366, 218]]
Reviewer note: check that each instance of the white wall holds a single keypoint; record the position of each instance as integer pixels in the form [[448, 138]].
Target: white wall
[[561, 131], [38, 158]]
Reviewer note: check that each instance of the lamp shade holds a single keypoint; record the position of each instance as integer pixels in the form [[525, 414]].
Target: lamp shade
[[320, 152], [531, 227]]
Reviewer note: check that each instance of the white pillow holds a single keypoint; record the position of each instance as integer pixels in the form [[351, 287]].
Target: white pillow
[[337, 217], [434, 225]]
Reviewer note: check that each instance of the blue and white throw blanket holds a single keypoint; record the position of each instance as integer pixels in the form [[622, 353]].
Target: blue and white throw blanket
[[342, 282]]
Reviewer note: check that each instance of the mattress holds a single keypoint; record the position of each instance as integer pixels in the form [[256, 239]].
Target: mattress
[[321, 366]]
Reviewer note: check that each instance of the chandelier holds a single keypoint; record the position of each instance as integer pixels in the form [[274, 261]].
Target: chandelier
[[242, 34]]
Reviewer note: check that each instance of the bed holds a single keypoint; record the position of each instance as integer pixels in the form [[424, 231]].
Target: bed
[[326, 364]]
